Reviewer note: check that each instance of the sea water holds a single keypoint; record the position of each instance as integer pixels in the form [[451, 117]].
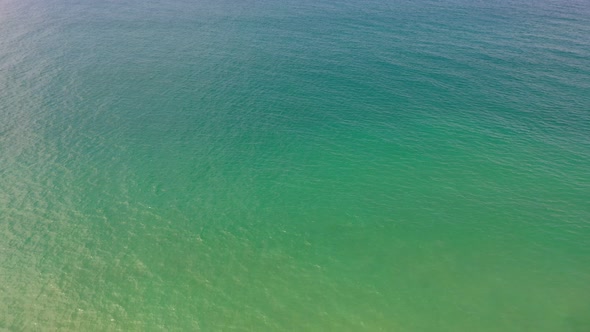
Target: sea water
[[274, 165]]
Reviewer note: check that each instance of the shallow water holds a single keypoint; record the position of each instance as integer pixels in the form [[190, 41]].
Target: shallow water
[[273, 165]]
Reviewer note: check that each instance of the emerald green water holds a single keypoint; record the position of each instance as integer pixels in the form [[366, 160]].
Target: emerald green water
[[294, 166]]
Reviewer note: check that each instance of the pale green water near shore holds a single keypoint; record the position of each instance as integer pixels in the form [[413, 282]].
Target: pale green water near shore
[[299, 166]]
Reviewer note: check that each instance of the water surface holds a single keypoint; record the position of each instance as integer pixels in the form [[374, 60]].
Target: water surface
[[315, 166]]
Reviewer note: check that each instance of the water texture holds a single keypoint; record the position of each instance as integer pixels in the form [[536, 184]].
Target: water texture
[[333, 165]]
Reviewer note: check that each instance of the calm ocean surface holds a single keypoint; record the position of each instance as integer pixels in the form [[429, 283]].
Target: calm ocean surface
[[275, 165]]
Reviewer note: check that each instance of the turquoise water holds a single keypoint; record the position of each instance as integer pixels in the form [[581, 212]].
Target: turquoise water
[[294, 165]]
